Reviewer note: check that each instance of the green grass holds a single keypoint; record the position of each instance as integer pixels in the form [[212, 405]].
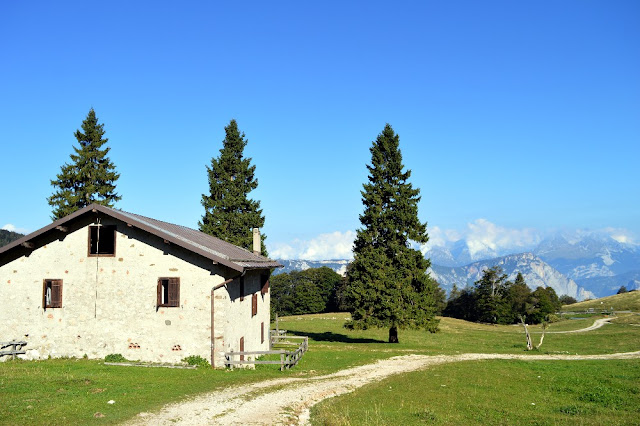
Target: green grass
[[495, 392], [60, 391], [620, 302], [633, 319], [72, 391], [333, 343]]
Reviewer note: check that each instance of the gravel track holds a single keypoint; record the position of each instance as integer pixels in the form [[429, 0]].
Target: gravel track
[[288, 400], [596, 324]]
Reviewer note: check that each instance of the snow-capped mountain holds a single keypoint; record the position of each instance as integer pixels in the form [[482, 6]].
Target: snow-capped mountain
[[581, 264], [587, 256], [606, 286], [462, 252], [534, 270], [339, 265]]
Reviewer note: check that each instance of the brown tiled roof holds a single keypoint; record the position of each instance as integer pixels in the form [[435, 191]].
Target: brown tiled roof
[[198, 242]]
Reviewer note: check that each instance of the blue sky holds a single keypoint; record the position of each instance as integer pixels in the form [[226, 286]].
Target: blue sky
[[515, 116]]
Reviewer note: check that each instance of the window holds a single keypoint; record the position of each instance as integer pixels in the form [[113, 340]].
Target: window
[[254, 304], [242, 348], [264, 281], [169, 292], [102, 240], [262, 332], [241, 289], [52, 294]]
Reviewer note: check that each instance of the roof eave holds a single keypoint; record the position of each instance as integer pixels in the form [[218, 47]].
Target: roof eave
[[133, 222]]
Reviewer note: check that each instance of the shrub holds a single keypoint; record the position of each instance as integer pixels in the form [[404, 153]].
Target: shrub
[[115, 358], [551, 318], [196, 360]]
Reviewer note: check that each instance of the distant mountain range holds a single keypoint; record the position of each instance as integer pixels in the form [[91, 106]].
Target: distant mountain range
[[584, 257], [535, 271], [581, 265], [340, 266]]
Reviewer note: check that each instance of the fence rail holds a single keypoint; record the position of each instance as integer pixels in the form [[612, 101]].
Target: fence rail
[[287, 360], [17, 348]]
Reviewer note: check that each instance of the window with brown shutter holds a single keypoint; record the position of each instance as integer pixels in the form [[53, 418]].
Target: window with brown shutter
[[264, 280], [168, 292], [242, 348], [262, 332], [241, 289], [254, 304], [52, 294]]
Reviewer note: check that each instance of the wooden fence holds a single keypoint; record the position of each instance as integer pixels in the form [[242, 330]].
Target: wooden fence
[[16, 348], [287, 359]]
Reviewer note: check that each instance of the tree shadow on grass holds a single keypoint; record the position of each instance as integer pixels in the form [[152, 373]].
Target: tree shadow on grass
[[334, 337]]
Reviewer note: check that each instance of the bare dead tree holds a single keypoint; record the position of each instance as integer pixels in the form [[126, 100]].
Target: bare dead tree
[[526, 332], [530, 347], [544, 328]]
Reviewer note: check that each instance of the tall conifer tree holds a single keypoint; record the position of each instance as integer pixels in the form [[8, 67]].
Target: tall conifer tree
[[229, 212], [388, 284], [90, 178]]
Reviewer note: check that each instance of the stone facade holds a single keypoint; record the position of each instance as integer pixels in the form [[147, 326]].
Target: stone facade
[[110, 302]]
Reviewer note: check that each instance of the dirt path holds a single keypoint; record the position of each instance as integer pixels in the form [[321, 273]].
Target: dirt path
[[596, 324], [288, 400]]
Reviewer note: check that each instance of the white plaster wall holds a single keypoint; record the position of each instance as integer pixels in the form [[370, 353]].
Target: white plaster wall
[[238, 321], [109, 303]]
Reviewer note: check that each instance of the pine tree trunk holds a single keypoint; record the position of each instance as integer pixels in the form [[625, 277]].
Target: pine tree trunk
[[393, 335]]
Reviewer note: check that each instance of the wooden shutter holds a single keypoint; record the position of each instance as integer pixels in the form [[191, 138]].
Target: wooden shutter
[[241, 289], [265, 284], [44, 294], [254, 304], [56, 294], [159, 302], [242, 348], [174, 292], [262, 332]]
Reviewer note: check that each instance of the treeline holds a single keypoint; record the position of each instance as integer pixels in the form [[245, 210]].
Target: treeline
[[7, 237], [493, 299], [317, 290], [311, 291]]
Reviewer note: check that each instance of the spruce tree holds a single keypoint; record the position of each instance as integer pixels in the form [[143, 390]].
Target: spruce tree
[[388, 284], [491, 291], [90, 178], [229, 213]]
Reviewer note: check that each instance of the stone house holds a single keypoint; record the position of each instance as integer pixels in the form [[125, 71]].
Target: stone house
[[103, 281]]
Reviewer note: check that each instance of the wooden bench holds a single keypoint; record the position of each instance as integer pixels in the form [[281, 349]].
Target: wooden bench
[[17, 348]]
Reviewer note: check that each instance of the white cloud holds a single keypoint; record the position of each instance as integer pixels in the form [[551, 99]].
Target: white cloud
[[335, 245], [439, 237], [482, 235], [621, 235], [12, 228]]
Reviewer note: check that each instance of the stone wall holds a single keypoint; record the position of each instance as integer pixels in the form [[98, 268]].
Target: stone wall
[[109, 303]]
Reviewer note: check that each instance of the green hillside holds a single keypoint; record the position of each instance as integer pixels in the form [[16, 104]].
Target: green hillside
[[7, 236], [619, 302]]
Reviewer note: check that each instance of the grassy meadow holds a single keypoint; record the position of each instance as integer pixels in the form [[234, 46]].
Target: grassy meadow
[[76, 390], [619, 302], [495, 392]]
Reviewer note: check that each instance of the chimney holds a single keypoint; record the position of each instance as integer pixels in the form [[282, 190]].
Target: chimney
[[257, 247]]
